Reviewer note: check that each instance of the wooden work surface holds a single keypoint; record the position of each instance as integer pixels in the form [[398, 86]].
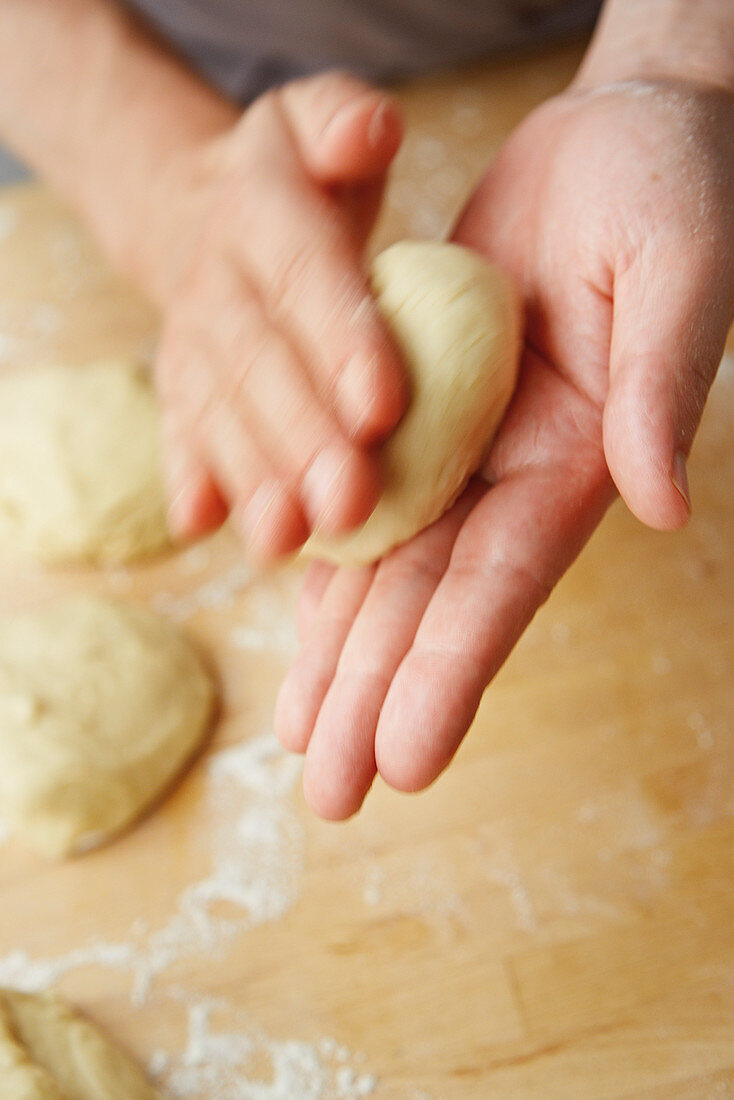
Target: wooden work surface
[[554, 918]]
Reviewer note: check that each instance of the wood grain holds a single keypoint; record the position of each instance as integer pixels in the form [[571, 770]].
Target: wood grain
[[555, 917]]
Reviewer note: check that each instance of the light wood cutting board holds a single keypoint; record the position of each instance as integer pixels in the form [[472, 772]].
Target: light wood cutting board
[[554, 918]]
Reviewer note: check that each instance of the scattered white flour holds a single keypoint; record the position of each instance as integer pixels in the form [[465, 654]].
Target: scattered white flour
[[446, 183], [425, 889], [196, 558], [467, 120], [519, 896], [661, 857], [701, 728], [19, 971], [433, 179], [66, 250], [8, 222], [373, 885], [267, 627], [247, 1064], [45, 319], [257, 858], [560, 633], [587, 811], [401, 195], [426, 152], [428, 221], [9, 346], [119, 579], [256, 867], [661, 665], [213, 593]]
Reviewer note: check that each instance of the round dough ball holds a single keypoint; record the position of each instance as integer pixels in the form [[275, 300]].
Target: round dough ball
[[100, 706], [456, 321], [80, 464], [49, 1052]]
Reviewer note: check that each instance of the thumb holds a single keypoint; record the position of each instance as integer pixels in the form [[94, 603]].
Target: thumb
[[667, 341], [346, 130]]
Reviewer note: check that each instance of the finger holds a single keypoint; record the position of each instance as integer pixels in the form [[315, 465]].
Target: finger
[[337, 482], [195, 505], [346, 130], [668, 338], [308, 678], [340, 759], [508, 555], [246, 363], [265, 513], [302, 255], [317, 580]]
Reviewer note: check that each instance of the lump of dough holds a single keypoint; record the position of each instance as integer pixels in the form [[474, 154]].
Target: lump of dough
[[80, 464], [49, 1052], [100, 706], [455, 318]]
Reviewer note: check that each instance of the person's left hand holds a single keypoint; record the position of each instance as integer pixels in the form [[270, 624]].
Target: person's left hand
[[614, 210]]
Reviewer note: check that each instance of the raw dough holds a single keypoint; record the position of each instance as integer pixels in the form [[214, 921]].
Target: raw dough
[[49, 1052], [456, 320], [100, 705], [80, 463]]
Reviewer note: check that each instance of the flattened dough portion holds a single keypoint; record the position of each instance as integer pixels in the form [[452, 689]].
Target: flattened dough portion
[[456, 321], [80, 464], [100, 706], [49, 1052]]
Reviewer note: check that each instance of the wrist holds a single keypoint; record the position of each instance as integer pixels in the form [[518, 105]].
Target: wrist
[[652, 40], [148, 121], [153, 241]]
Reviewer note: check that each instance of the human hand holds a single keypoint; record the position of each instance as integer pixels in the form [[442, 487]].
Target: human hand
[[613, 208], [275, 370]]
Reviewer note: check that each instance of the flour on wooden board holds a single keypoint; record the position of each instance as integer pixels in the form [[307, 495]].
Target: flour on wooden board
[[213, 593], [237, 1061], [255, 867], [257, 858], [265, 626]]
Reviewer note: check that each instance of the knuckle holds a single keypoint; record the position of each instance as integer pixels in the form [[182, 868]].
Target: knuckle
[[238, 378], [260, 111]]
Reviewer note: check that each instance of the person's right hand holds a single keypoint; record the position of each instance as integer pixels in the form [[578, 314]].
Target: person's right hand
[[275, 370]]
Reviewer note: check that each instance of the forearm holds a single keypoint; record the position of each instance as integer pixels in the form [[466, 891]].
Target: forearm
[[650, 39], [99, 108]]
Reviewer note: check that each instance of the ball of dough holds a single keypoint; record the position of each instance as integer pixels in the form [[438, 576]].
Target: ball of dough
[[100, 706], [49, 1052], [80, 464], [456, 321]]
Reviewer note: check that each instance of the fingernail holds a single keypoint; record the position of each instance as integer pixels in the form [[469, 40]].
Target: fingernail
[[262, 501], [679, 477], [320, 482], [348, 110]]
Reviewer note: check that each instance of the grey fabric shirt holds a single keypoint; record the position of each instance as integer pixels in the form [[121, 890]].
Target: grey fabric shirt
[[244, 46]]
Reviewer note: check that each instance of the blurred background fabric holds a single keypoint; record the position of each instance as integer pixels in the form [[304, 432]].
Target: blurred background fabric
[[246, 46], [10, 169]]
